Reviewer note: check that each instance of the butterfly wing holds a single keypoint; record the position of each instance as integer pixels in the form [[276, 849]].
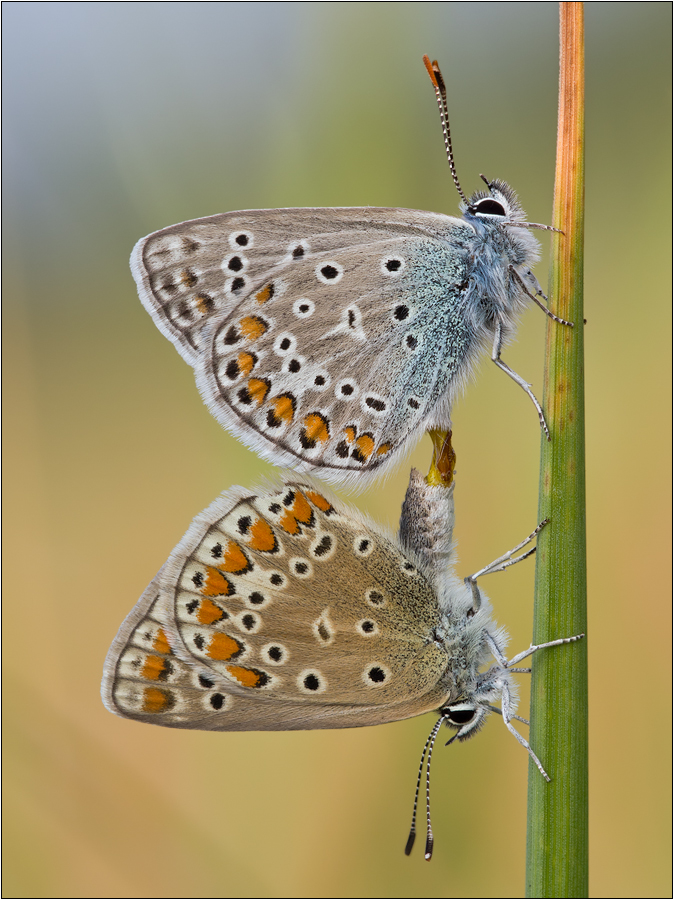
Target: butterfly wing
[[143, 679], [280, 610], [323, 338]]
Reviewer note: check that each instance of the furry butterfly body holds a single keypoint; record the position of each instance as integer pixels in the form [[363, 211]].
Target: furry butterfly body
[[329, 340]]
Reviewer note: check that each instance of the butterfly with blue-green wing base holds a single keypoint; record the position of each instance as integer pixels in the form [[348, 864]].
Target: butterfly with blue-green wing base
[[329, 340]]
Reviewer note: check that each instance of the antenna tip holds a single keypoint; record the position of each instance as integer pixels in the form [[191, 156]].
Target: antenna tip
[[429, 69], [429, 848], [410, 841], [434, 73]]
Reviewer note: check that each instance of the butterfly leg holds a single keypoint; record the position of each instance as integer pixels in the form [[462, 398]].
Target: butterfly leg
[[534, 647], [510, 664], [496, 357], [498, 565], [538, 292], [496, 710], [506, 708]]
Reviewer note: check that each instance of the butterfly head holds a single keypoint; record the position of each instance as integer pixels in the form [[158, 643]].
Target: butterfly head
[[498, 204], [469, 712], [498, 210], [467, 716]]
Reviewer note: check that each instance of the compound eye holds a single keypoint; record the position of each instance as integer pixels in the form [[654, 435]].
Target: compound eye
[[461, 716], [489, 207]]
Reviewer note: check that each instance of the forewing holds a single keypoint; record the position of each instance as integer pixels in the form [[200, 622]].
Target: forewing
[[188, 273]]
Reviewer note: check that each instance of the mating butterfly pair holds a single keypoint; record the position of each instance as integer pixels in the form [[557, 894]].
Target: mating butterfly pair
[[328, 340]]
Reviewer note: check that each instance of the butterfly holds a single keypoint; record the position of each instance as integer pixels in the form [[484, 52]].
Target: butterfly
[[329, 340], [285, 609]]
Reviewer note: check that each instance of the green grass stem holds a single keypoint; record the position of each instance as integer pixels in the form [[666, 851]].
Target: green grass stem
[[557, 832]]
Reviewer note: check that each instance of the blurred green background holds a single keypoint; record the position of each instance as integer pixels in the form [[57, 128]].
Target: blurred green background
[[122, 118]]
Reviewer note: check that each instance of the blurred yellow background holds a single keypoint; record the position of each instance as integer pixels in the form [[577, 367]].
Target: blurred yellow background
[[124, 118]]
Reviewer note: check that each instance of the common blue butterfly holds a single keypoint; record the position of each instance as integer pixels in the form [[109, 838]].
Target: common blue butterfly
[[285, 609], [329, 340]]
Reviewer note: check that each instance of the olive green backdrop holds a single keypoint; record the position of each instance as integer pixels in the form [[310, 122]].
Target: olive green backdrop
[[121, 118]]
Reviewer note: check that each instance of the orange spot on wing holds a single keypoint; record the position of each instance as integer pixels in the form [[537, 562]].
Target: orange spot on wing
[[316, 428], [223, 647], [156, 700], [246, 362], [154, 668], [265, 294], [208, 613], [384, 448], [235, 560], [320, 501], [204, 303], [160, 642], [248, 677], [258, 390], [364, 447], [252, 327], [350, 433], [216, 584], [284, 407], [188, 278], [301, 509], [289, 523], [262, 537]]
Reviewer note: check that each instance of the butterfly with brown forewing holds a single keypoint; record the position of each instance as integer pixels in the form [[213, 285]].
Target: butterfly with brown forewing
[[285, 609]]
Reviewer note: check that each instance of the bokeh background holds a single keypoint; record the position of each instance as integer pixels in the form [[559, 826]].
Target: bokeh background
[[122, 118]]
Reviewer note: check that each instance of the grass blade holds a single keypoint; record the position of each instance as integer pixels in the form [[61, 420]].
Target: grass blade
[[557, 833]]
